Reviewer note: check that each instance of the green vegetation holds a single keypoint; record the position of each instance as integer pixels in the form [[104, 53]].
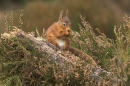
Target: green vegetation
[[21, 64]]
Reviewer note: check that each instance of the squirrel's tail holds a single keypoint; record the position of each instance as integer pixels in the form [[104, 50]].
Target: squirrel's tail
[[82, 55]]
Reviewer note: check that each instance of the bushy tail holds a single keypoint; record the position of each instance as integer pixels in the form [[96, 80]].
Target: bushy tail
[[82, 55]]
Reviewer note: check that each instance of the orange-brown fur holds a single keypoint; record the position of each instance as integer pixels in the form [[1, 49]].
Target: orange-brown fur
[[60, 31]]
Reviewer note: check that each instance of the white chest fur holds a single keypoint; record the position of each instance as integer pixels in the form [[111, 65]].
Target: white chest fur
[[61, 43]]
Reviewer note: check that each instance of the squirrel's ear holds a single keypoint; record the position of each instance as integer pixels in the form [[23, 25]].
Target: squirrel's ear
[[61, 15], [67, 13]]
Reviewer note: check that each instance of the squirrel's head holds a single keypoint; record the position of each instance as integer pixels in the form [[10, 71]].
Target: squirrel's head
[[65, 22]]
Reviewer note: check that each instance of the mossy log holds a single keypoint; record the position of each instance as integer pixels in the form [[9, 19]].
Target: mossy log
[[60, 57], [43, 45]]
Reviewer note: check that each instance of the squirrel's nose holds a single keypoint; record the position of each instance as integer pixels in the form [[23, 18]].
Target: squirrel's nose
[[67, 28], [68, 31]]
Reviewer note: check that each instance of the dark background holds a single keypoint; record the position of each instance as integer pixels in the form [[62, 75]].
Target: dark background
[[102, 14]]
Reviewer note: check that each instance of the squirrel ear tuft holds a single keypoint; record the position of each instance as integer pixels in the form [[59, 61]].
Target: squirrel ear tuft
[[61, 15], [67, 13]]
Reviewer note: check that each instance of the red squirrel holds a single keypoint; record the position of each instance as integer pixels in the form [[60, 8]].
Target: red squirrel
[[58, 32]]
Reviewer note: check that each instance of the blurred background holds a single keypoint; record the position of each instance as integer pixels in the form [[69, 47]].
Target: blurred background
[[102, 14]]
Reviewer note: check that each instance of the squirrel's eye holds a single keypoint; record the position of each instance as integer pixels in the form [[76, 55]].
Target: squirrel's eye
[[64, 24]]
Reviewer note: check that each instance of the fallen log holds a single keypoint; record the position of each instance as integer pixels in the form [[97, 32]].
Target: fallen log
[[61, 57]]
